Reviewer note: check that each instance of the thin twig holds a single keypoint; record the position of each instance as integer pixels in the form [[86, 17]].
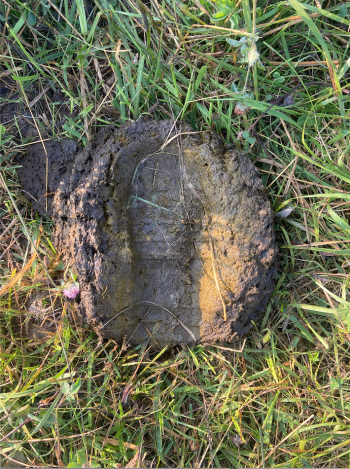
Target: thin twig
[[153, 304]]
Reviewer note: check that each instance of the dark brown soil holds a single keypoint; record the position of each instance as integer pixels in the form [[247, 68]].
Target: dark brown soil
[[171, 237], [57, 165]]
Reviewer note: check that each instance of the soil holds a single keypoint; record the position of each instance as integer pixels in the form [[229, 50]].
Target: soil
[[12, 116], [169, 231], [58, 162]]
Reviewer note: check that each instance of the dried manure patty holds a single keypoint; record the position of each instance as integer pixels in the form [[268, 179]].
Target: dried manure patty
[[169, 231]]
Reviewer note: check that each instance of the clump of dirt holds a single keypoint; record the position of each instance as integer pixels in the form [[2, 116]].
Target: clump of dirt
[[169, 231], [42, 171]]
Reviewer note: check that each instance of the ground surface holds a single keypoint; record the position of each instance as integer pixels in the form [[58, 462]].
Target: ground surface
[[169, 231], [282, 96]]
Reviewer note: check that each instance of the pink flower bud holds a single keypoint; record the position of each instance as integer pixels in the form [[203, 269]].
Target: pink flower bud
[[72, 290]]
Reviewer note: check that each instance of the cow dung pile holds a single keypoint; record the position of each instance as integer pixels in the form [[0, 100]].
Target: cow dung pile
[[168, 230]]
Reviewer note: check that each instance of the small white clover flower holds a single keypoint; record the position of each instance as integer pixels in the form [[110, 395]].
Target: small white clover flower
[[241, 109], [253, 55]]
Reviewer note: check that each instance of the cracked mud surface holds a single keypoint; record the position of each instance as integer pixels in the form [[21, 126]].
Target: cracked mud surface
[[169, 235]]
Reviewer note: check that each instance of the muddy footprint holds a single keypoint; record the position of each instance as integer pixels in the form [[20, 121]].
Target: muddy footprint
[[169, 231]]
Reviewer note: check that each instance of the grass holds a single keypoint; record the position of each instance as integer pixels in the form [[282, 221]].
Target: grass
[[282, 400]]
